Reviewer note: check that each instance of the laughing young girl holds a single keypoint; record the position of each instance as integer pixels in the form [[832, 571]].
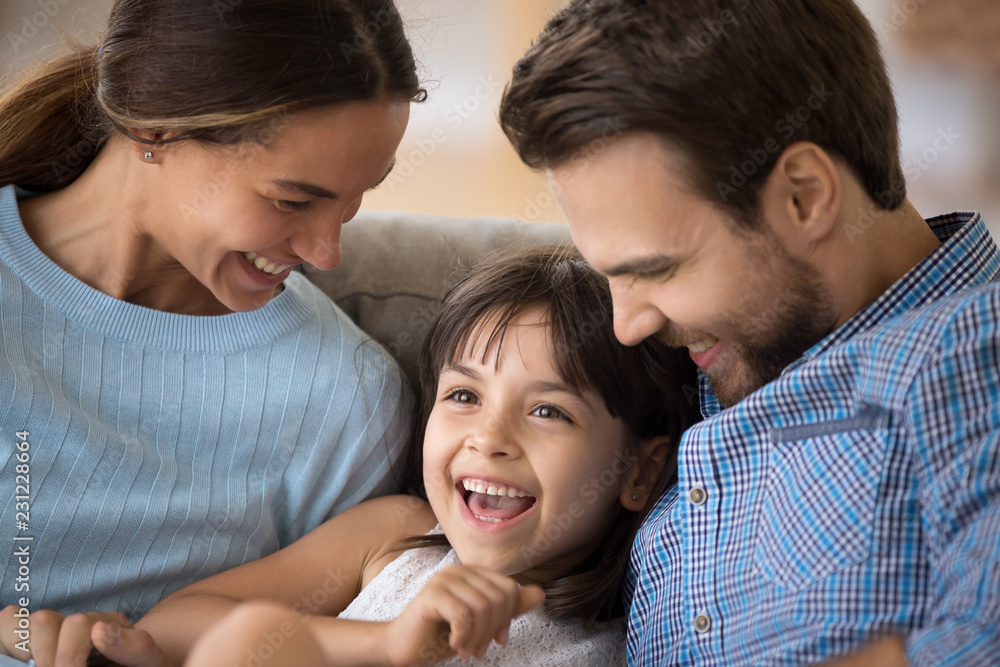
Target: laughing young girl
[[545, 442]]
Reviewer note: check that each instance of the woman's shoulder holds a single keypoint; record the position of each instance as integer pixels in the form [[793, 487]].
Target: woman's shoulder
[[329, 321]]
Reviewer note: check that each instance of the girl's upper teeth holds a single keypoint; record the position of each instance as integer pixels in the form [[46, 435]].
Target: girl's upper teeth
[[492, 488], [264, 264]]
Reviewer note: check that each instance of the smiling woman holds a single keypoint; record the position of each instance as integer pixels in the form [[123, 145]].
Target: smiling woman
[[193, 402]]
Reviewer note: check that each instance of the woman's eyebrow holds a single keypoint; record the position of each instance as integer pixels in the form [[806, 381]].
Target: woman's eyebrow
[[317, 191], [305, 188], [385, 175]]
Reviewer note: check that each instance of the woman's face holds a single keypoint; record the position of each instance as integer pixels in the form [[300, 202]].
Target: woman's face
[[237, 218]]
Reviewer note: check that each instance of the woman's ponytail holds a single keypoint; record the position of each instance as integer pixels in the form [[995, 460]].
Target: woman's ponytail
[[200, 71], [50, 128]]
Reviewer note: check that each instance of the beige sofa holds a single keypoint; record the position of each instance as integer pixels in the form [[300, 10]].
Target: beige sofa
[[397, 266]]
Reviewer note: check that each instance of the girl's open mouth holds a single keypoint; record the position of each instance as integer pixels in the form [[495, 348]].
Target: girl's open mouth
[[490, 502]]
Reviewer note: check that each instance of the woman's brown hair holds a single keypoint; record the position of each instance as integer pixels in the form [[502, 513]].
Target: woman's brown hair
[[729, 84], [220, 72], [650, 387]]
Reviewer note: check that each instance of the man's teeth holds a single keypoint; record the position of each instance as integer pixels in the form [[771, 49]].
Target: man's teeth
[[702, 345], [264, 264], [491, 489]]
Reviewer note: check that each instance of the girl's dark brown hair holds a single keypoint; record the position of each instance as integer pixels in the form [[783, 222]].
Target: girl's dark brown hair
[[728, 84], [650, 387], [219, 72]]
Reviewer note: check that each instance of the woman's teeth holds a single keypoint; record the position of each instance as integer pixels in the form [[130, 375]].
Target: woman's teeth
[[264, 264], [491, 489], [702, 345]]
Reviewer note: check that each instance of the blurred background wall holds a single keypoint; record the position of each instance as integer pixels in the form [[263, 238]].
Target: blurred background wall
[[944, 57]]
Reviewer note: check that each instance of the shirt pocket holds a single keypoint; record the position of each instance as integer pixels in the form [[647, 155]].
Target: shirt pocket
[[818, 510]]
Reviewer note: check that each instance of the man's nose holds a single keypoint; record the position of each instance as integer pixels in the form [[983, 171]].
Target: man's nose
[[636, 318]]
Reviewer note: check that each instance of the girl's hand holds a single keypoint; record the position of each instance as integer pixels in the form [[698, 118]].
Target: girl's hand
[[68, 640], [127, 646], [461, 610]]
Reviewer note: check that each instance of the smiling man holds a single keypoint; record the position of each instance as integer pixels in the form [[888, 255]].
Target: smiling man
[[842, 499]]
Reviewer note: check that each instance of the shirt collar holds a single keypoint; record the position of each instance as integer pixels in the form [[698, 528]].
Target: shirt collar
[[967, 257]]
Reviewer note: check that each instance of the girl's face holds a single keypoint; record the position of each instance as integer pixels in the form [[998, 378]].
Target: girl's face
[[238, 218], [522, 472]]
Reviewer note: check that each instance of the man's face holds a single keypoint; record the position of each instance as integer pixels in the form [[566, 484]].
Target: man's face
[[681, 270]]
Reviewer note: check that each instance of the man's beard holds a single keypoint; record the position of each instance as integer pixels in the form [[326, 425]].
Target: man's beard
[[771, 339]]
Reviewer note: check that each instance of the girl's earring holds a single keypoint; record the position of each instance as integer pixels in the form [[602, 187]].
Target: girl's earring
[[148, 155], [635, 496]]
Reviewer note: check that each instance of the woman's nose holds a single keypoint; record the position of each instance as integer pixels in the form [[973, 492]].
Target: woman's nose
[[323, 250], [319, 239]]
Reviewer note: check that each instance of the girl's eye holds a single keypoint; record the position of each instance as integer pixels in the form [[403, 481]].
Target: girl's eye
[[292, 206], [550, 412], [463, 396]]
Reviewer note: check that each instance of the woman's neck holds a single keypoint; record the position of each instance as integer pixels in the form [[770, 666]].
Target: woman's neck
[[95, 229]]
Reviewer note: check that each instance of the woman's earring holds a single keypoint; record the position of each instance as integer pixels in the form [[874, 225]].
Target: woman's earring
[[148, 155], [635, 496]]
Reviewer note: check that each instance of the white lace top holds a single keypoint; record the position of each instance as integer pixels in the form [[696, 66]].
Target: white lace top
[[535, 638]]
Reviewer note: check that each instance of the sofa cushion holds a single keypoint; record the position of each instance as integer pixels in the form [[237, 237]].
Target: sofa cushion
[[397, 266]]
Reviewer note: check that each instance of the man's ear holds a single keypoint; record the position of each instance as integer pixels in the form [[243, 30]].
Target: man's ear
[[802, 196], [640, 480]]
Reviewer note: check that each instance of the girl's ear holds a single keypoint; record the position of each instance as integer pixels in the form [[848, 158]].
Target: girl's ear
[[640, 480]]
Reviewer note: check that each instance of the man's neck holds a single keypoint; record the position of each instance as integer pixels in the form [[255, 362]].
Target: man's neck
[[872, 251]]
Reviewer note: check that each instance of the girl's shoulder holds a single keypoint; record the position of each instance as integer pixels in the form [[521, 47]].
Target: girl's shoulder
[[394, 519]]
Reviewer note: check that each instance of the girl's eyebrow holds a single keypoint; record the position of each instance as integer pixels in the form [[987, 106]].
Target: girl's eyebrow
[[463, 370], [542, 386]]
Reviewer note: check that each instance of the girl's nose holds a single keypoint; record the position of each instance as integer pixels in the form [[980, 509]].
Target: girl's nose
[[494, 439]]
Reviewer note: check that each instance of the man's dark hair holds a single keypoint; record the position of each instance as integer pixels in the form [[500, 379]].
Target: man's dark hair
[[729, 84]]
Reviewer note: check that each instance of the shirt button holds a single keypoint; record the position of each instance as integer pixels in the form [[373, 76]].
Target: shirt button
[[702, 623], [697, 495]]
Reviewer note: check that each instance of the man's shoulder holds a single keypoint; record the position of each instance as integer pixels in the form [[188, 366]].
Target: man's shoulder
[[972, 311]]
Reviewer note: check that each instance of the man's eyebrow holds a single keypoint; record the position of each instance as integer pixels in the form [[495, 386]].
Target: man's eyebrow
[[305, 188], [638, 267], [385, 175]]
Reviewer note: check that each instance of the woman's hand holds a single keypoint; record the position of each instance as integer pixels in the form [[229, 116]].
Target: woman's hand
[[68, 640], [461, 610]]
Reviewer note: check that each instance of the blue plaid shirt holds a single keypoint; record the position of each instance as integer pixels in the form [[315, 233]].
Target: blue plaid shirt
[[856, 496]]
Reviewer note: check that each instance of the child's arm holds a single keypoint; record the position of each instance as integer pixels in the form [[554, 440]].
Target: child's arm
[[319, 574], [462, 610]]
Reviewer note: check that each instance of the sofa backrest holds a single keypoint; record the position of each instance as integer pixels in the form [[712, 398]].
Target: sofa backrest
[[398, 266]]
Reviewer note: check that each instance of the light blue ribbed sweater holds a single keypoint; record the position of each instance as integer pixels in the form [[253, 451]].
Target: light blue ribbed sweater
[[165, 448]]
